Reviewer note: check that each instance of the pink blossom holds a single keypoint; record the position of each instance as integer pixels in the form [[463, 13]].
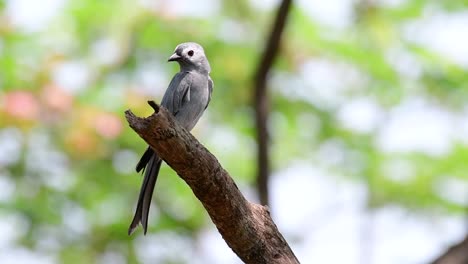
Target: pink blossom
[[57, 99], [21, 104], [108, 125]]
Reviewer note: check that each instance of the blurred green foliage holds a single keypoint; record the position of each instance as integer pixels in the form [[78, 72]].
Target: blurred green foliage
[[74, 181]]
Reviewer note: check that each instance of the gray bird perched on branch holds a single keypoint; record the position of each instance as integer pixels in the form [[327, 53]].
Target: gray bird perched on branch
[[187, 97]]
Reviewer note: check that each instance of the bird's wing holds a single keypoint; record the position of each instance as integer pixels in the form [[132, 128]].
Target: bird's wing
[[144, 159], [178, 92], [210, 90]]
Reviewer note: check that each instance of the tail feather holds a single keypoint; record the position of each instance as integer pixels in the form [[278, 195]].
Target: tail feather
[[146, 193]]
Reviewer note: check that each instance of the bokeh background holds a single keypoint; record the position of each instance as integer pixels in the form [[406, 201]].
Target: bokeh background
[[369, 127]]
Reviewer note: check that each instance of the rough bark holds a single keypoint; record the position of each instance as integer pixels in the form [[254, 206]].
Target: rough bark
[[262, 100], [246, 227], [456, 254]]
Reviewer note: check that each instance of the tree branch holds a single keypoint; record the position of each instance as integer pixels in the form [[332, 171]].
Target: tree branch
[[456, 254], [262, 101], [246, 227]]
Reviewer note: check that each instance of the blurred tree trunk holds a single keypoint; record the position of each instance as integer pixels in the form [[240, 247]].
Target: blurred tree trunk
[[262, 101], [456, 254], [246, 227]]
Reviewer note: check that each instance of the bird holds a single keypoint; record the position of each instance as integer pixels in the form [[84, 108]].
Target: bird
[[186, 97]]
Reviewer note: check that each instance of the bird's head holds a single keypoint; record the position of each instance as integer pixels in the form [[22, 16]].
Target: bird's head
[[191, 55]]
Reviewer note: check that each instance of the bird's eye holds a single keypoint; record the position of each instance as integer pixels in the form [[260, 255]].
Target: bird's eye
[[190, 53]]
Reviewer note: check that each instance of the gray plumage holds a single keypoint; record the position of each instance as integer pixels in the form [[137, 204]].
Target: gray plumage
[[187, 97]]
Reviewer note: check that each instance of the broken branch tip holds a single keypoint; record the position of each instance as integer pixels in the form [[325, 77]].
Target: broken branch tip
[[154, 106]]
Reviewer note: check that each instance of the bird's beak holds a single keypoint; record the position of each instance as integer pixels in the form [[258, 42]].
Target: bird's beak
[[174, 57]]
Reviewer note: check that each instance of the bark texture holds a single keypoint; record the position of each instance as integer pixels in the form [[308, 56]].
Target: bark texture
[[246, 227], [456, 254], [262, 100]]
